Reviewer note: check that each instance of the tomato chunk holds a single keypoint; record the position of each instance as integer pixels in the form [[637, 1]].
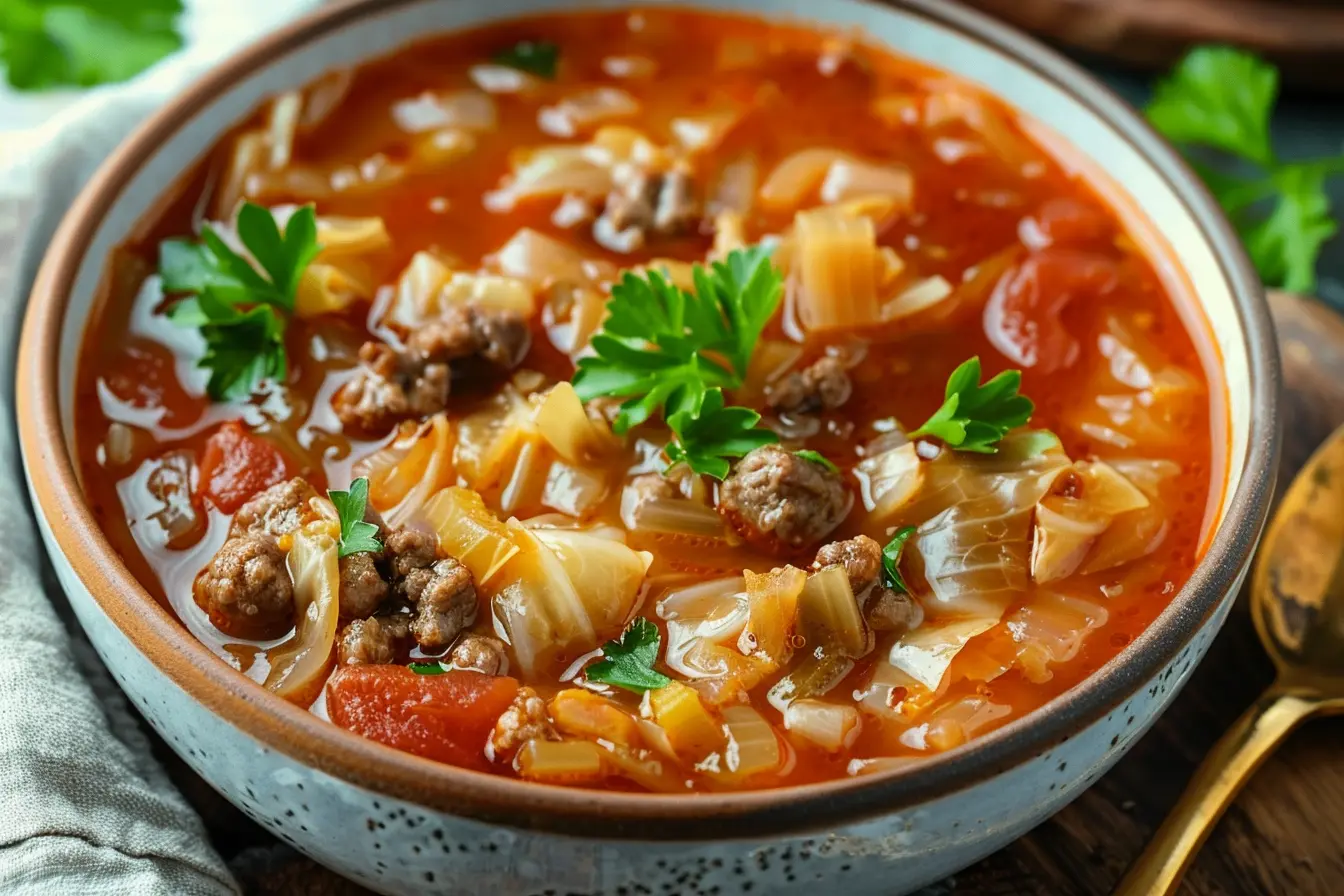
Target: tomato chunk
[[237, 465], [1022, 316], [447, 718]]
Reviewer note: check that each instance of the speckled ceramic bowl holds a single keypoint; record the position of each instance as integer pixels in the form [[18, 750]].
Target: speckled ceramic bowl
[[399, 823]]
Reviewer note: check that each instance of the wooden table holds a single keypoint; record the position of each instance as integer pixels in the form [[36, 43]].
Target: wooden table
[[1283, 837]]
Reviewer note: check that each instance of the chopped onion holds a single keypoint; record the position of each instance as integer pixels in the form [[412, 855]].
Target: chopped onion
[[563, 761], [550, 172], [1051, 630], [675, 515], [282, 124], [836, 266], [533, 256], [831, 726], [339, 236], [468, 531], [890, 478], [703, 133], [574, 434], [416, 296], [585, 109], [502, 79], [324, 96], [248, 155], [573, 490], [828, 613], [919, 296], [489, 439], [468, 109], [326, 288], [487, 291], [772, 614], [734, 190], [926, 653], [300, 663], [954, 724], [797, 176], [854, 178], [690, 729], [753, 746]]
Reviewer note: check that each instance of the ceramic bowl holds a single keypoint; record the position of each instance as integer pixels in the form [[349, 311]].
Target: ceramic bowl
[[398, 823]]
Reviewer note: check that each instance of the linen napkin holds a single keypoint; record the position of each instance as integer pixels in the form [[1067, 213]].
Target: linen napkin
[[84, 807]]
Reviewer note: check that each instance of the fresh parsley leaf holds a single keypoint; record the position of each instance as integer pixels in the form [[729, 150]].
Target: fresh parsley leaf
[[434, 668], [537, 57], [891, 560], [816, 458], [82, 43], [705, 437], [975, 417], [1219, 97], [628, 663], [357, 536], [1222, 99], [241, 312], [666, 350]]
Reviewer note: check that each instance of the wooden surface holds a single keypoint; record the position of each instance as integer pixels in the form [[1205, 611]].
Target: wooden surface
[[1304, 37], [1283, 837]]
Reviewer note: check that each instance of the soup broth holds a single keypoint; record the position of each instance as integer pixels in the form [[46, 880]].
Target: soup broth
[[430, 399]]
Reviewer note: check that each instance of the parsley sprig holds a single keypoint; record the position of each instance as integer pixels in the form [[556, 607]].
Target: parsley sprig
[[536, 57], [1221, 99], [241, 312], [891, 560], [81, 43], [357, 536], [975, 417], [666, 350], [628, 663]]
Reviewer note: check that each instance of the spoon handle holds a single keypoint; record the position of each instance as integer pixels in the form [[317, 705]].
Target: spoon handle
[[1228, 766]]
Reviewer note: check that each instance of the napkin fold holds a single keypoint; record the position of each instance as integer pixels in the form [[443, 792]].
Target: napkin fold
[[84, 806]]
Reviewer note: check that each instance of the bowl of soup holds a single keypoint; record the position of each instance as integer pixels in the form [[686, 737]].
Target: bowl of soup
[[644, 448]]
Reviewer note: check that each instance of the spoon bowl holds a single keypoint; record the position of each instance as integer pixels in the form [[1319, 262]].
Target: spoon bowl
[[1297, 587], [1297, 603]]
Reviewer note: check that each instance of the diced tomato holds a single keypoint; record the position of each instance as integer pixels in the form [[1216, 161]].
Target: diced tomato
[[447, 718], [237, 465], [1022, 316], [1064, 221]]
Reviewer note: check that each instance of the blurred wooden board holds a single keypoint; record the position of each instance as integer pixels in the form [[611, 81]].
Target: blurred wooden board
[[1284, 836], [1305, 38]]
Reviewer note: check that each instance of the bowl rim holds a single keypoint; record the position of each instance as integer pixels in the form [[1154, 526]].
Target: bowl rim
[[304, 738]]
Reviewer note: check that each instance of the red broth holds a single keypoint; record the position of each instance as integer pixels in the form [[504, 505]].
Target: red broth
[[982, 244]]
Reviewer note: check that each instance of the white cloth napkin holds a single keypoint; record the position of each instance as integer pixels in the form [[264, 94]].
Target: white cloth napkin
[[84, 807]]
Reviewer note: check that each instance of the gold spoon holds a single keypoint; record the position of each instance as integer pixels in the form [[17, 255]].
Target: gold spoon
[[1297, 602]]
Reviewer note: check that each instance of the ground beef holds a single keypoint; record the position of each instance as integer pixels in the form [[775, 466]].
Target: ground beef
[[392, 385], [860, 556], [246, 589], [408, 550], [775, 498], [479, 652], [524, 720], [445, 603], [887, 611], [279, 510], [821, 386], [363, 588], [378, 640], [646, 203], [388, 388]]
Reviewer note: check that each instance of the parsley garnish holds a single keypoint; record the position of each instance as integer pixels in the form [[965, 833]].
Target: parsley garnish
[[81, 43], [975, 417], [240, 312], [356, 535], [891, 560], [628, 663], [672, 352], [1220, 98], [434, 668], [818, 458], [537, 57]]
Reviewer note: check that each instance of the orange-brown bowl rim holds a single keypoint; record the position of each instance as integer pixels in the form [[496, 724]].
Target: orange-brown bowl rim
[[293, 731]]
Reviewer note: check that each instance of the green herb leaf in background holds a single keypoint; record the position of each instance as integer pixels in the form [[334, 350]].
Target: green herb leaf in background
[[817, 458], [1220, 98], [240, 312], [83, 43], [628, 663], [536, 57]]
